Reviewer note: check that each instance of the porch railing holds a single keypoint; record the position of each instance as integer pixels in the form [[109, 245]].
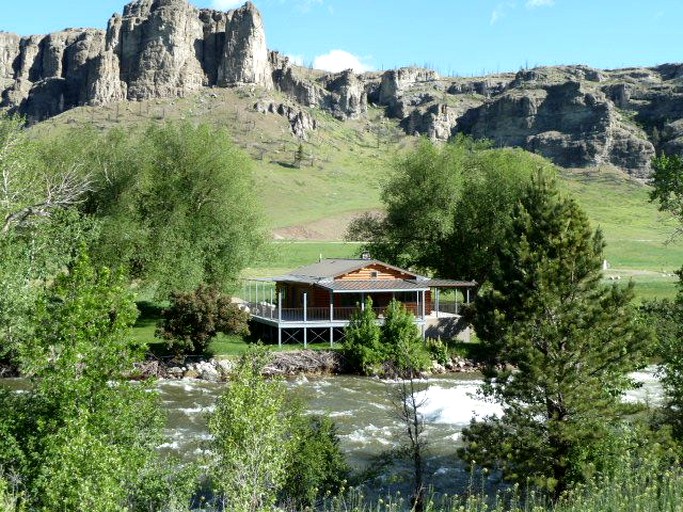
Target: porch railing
[[332, 314], [453, 308]]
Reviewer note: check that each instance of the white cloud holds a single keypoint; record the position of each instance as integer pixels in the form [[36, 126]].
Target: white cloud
[[340, 60], [496, 15], [533, 4], [224, 5], [501, 11]]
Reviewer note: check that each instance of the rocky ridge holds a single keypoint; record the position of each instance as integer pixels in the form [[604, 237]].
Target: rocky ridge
[[574, 115]]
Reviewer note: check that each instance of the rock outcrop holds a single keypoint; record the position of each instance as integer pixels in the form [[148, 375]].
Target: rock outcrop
[[574, 115], [156, 48], [342, 94], [300, 123]]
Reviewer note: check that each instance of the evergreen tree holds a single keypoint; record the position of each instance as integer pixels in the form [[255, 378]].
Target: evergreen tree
[[560, 346], [401, 341], [299, 155], [362, 343]]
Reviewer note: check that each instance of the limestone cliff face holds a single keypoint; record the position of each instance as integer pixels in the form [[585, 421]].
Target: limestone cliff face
[[574, 115], [342, 94], [244, 59], [156, 48]]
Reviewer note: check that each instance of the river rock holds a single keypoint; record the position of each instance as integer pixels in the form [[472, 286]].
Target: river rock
[[225, 368]]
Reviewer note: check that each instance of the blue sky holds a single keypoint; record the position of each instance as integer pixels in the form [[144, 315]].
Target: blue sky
[[455, 37]]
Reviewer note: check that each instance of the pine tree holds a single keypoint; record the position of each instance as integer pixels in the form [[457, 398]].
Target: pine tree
[[299, 156], [560, 346]]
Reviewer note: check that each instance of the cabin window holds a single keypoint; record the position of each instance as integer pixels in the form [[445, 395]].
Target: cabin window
[[374, 274]]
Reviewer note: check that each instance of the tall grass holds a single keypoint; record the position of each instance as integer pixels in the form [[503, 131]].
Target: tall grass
[[641, 486]]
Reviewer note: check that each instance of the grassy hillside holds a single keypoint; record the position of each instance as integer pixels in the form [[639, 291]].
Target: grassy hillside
[[308, 208], [637, 235]]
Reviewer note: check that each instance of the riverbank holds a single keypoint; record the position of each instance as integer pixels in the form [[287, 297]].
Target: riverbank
[[285, 364]]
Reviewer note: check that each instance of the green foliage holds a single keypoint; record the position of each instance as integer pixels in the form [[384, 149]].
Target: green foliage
[[645, 484], [176, 203], [438, 351], [667, 180], [82, 435], [439, 202], [265, 449], [38, 228], [666, 317], [317, 466], [362, 346], [559, 346], [252, 442], [403, 346], [395, 347], [193, 319]]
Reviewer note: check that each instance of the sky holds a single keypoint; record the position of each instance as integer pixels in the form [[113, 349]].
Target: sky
[[453, 37]]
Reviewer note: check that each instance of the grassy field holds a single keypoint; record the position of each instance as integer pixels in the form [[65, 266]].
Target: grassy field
[[345, 163], [637, 235]]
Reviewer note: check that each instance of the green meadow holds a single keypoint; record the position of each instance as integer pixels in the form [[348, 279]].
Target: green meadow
[[344, 165]]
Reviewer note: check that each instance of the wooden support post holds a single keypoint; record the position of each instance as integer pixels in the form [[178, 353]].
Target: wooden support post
[[331, 337], [279, 336], [305, 319], [438, 301], [279, 307], [424, 305]]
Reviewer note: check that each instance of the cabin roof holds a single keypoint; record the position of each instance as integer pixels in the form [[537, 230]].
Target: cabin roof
[[325, 273], [388, 285], [332, 268]]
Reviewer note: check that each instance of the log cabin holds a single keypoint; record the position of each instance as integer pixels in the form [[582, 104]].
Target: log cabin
[[314, 303]]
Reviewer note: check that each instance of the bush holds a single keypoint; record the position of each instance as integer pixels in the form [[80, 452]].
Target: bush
[[438, 351], [396, 347], [317, 467], [194, 319]]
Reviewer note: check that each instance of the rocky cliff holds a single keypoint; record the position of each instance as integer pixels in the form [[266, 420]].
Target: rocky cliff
[[156, 48], [574, 115]]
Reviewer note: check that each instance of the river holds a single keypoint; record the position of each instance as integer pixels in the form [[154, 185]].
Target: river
[[365, 417]]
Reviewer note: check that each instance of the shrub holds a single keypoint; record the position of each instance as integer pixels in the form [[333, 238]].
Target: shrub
[[194, 319], [362, 347], [317, 467]]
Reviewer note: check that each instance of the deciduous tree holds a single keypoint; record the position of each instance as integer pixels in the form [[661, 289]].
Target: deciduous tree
[[447, 207], [83, 435], [177, 205]]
